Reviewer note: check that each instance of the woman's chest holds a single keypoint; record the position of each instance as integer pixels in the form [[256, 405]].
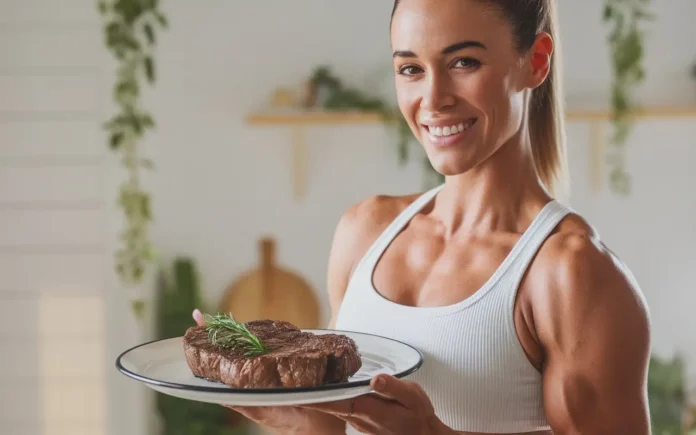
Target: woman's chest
[[423, 272]]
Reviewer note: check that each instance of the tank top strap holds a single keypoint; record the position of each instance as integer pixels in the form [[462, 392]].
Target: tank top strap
[[531, 241], [382, 242]]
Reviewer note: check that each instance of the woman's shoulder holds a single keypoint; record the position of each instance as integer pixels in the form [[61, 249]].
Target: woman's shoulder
[[576, 253], [377, 211], [362, 222], [576, 272], [577, 246], [358, 228]]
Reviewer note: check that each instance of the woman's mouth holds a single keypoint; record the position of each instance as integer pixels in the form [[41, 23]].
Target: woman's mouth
[[449, 134]]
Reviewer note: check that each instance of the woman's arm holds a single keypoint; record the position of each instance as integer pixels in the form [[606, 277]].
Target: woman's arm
[[357, 229], [593, 325]]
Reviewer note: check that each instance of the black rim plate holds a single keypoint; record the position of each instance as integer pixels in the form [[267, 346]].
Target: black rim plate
[[221, 389]]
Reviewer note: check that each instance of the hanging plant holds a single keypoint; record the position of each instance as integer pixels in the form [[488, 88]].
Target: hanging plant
[[626, 41], [129, 35]]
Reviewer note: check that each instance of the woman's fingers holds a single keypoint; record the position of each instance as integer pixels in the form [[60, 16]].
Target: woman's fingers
[[339, 408], [363, 407], [198, 317]]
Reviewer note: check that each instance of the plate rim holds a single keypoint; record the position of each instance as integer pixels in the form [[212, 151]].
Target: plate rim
[[271, 390]]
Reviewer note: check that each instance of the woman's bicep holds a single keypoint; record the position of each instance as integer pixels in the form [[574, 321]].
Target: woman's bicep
[[595, 332]]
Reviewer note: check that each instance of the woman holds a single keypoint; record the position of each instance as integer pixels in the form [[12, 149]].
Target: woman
[[527, 322]]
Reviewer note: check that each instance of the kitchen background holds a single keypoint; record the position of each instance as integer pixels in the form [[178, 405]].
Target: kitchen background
[[227, 174]]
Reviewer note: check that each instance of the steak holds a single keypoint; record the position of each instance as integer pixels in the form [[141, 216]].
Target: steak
[[295, 358]]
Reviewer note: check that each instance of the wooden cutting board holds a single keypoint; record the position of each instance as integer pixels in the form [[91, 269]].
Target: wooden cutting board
[[270, 291]]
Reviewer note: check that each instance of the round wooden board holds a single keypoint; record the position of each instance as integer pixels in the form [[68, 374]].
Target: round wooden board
[[272, 292]]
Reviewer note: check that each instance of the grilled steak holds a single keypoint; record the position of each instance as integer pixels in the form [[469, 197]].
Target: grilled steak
[[295, 358]]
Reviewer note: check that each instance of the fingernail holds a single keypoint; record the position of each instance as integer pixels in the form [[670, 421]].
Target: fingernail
[[197, 315], [379, 383]]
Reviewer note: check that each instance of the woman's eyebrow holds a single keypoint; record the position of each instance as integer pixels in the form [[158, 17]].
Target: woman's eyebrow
[[447, 50]]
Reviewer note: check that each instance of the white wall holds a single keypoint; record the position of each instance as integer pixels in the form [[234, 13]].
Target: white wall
[[52, 213], [220, 184]]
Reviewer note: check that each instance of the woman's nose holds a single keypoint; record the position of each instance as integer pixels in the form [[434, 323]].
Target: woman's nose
[[437, 94]]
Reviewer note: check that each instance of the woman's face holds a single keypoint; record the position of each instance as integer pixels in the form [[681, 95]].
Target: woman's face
[[460, 80]]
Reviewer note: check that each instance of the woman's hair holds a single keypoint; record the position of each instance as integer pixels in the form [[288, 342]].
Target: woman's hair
[[546, 115]]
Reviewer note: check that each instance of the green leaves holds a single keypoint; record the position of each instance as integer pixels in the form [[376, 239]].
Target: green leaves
[[608, 12], [116, 140], [666, 395], [138, 307], [626, 42], [102, 7], [224, 331], [149, 69], [129, 33], [161, 19], [150, 33]]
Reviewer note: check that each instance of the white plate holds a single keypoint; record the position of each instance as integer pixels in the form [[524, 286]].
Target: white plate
[[161, 365]]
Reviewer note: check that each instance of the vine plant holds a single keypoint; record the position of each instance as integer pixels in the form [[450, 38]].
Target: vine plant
[[626, 42], [130, 35]]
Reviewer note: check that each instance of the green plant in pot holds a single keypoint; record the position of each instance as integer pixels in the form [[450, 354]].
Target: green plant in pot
[[178, 294]]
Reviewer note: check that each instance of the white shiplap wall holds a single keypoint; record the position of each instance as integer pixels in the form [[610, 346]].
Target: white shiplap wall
[[52, 220]]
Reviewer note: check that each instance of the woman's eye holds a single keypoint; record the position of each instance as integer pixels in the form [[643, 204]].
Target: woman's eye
[[409, 70], [467, 63]]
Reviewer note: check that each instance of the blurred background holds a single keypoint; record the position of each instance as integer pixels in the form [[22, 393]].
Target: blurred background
[[267, 126]]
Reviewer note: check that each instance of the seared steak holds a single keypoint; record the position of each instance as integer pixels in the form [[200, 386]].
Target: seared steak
[[295, 358]]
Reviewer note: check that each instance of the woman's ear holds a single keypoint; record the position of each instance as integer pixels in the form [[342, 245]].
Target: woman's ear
[[539, 63]]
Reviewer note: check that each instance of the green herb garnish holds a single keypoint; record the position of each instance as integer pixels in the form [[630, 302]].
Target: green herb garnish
[[226, 332]]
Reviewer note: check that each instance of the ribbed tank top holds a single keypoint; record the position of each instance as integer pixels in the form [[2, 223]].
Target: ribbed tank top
[[475, 370]]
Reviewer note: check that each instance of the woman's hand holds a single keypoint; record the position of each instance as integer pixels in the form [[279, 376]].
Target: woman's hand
[[291, 420], [399, 408], [288, 420]]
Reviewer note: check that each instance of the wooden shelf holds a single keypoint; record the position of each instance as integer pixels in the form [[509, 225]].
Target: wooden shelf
[[647, 113], [298, 121], [354, 117], [313, 117]]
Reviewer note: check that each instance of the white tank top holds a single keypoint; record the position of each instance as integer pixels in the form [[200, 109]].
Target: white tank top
[[475, 370]]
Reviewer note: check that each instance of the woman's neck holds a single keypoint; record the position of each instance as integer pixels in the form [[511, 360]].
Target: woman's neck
[[502, 193]]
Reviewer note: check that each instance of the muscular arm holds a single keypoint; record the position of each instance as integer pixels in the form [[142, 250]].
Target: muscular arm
[[594, 328]]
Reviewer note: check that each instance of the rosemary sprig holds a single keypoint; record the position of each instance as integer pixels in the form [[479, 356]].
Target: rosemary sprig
[[226, 332]]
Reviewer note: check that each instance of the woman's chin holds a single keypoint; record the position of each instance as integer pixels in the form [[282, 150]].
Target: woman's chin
[[450, 167], [451, 161]]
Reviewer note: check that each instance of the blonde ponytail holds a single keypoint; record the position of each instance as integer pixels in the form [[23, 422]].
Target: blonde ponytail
[[546, 117]]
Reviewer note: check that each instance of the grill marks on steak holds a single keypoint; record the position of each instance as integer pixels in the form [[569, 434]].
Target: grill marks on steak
[[295, 358]]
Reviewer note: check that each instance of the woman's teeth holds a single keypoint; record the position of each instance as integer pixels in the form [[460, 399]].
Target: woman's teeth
[[450, 130]]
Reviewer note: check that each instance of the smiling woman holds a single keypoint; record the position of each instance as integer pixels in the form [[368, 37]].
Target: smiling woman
[[528, 323], [489, 70]]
